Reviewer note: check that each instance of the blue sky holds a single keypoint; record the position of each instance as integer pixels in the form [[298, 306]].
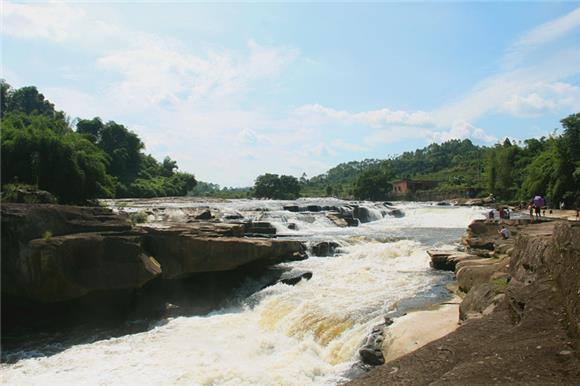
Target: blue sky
[[232, 91]]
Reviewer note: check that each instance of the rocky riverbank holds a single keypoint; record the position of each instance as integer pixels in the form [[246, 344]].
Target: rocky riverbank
[[57, 258], [519, 317]]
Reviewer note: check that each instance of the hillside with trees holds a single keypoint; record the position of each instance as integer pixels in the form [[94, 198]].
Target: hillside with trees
[[511, 171], [78, 161]]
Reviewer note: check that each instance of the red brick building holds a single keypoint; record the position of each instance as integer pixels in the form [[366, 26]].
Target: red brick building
[[406, 186]]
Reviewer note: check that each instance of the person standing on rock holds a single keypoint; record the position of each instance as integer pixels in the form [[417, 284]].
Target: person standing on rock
[[538, 202]]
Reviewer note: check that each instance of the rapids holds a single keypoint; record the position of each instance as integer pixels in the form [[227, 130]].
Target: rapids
[[281, 335]]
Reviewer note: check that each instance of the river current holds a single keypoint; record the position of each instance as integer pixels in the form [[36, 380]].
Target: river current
[[306, 334]]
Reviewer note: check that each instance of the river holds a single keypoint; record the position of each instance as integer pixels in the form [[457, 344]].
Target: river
[[307, 334]]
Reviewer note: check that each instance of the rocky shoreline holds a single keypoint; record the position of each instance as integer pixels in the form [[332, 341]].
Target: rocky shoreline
[[75, 264], [519, 315]]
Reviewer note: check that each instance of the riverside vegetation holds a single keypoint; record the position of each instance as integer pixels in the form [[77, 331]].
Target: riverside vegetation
[[78, 160], [101, 160]]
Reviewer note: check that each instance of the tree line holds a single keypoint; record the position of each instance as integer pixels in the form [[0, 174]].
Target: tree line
[[80, 160], [512, 171]]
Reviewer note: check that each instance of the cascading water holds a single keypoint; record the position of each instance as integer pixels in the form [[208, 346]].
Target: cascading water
[[283, 335]]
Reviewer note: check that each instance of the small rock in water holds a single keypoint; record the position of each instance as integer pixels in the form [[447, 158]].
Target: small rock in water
[[324, 249], [371, 356], [205, 215], [293, 278]]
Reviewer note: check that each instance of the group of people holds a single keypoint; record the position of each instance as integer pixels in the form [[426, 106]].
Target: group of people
[[504, 213]]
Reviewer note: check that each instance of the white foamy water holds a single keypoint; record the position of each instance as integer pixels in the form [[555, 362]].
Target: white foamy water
[[282, 335]]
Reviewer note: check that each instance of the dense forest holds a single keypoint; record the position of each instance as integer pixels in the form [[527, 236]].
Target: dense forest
[[79, 160], [85, 159], [511, 171]]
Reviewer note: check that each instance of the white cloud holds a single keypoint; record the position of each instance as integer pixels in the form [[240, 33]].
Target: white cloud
[[529, 105], [462, 130], [342, 145], [191, 104], [374, 118], [157, 73], [52, 21], [542, 35]]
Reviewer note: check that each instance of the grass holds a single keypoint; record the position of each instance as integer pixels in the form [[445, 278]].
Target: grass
[[499, 284], [138, 217]]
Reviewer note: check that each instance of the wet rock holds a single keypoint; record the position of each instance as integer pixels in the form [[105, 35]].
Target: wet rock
[[292, 278], [233, 216], [260, 227], [446, 260], [314, 208], [292, 208], [396, 213], [324, 249], [204, 215], [292, 226], [362, 214], [440, 260], [342, 219], [371, 351]]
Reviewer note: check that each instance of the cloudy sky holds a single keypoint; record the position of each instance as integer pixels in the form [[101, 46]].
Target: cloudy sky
[[232, 91]]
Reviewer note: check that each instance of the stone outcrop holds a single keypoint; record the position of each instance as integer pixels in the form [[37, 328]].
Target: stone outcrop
[[521, 321], [181, 251], [54, 253], [447, 260]]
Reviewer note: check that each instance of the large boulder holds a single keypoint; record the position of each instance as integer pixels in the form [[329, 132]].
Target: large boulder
[[54, 269], [53, 253], [362, 214], [24, 222], [182, 252]]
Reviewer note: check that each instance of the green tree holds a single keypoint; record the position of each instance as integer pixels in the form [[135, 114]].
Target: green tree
[[567, 187], [277, 187], [67, 165], [91, 128], [374, 184], [168, 167]]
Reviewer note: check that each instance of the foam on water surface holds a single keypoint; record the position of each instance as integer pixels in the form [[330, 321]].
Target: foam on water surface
[[282, 335]]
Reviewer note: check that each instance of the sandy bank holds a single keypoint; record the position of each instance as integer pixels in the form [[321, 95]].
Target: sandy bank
[[417, 328]]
